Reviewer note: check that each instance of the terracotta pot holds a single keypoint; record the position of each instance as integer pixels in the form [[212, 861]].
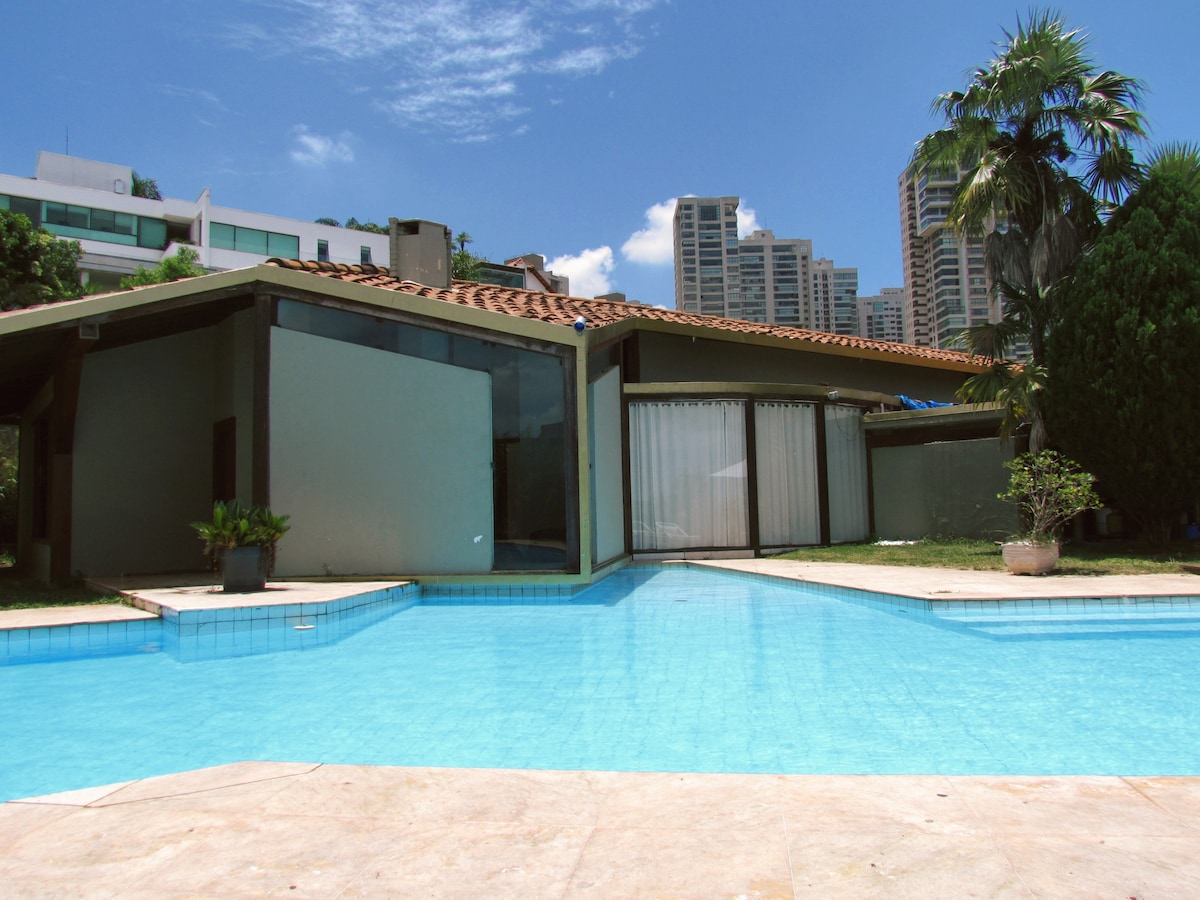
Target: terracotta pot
[[1030, 557]]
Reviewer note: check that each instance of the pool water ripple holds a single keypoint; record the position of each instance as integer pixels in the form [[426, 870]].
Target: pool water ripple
[[671, 669]]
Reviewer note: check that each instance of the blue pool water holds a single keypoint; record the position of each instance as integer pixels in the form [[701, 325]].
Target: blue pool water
[[671, 669]]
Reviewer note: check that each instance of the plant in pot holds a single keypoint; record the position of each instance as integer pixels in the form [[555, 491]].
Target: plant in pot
[[240, 543], [1048, 489]]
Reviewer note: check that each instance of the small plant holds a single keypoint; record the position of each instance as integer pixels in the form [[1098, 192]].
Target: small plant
[[234, 525], [1048, 489]]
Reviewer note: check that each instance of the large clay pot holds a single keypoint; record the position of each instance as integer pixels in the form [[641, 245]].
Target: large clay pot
[[1030, 557]]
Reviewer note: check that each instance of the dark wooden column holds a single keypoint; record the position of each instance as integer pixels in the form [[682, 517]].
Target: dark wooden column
[[68, 371], [260, 454], [822, 474]]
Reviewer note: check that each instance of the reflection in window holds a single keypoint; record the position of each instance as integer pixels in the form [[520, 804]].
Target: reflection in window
[[530, 462]]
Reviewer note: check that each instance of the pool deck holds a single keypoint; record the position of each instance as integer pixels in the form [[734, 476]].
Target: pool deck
[[305, 830]]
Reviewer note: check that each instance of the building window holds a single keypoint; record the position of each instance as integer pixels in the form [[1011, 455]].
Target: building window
[[364, 255], [322, 251], [254, 240]]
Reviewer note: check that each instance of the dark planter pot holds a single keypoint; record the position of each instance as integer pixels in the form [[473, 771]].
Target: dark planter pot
[[241, 570]]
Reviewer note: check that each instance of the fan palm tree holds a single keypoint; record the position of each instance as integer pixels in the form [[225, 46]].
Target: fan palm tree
[[1040, 143]]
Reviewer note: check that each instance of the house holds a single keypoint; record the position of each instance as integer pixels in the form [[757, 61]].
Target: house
[[91, 202], [414, 426]]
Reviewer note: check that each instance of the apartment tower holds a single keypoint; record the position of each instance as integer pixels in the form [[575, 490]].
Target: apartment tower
[[946, 288]]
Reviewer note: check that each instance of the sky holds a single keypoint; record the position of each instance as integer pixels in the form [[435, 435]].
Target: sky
[[559, 127]]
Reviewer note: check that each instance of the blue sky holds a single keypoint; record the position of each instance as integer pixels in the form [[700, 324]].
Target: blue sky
[[560, 127]]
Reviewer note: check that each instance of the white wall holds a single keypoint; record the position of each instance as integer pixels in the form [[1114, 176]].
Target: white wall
[[143, 455], [383, 461]]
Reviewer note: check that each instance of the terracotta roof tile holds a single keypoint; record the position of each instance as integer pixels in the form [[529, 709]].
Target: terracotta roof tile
[[559, 309]]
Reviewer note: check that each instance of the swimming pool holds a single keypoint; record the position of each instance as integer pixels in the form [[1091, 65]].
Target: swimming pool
[[667, 669]]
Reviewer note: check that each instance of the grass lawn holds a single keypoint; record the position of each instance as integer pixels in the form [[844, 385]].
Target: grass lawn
[[25, 593], [1098, 558]]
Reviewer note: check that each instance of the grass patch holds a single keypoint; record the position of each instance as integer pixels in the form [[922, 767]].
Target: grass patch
[[1102, 558], [26, 593]]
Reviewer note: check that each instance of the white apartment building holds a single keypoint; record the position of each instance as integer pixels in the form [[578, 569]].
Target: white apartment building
[[760, 278], [881, 317], [90, 202], [946, 287]]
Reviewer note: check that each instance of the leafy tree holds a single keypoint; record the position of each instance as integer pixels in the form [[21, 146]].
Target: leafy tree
[[326, 220], [462, 239], [356, 225], [171, 268], [1039, 141], [145, 187], [35, 267], [464, 265], [1124, 399]]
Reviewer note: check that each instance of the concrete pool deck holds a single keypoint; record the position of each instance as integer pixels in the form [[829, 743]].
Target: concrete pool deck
[[307, 830]]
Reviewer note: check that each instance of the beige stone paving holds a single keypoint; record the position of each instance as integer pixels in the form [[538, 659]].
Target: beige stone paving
[[326, 831], [305, 830]]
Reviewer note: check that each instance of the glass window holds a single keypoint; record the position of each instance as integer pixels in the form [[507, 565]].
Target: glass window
[[285, 246], [221, 236], [530, 460], [364, 255], [322, 251], [152, 233], [251, 240]]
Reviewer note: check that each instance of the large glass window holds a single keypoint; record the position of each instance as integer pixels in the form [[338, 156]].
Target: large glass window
[[531, 466], [253, 240], [83, 222]]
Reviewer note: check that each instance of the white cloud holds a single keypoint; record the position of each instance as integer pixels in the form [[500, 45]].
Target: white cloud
[[654, 243], [589, 271], [456, 65], [319, 149], [747, 220]]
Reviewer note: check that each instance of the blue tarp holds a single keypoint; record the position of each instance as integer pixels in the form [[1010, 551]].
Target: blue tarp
[[910, 403]]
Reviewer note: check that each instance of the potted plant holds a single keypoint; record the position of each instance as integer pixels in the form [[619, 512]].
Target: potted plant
[[240, 543], [1048, 490]]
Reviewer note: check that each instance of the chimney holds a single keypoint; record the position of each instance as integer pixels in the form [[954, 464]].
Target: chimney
[[420, 251]]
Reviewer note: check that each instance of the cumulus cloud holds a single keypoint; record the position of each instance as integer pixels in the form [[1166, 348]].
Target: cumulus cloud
[[589, 271], [747, 220], [654, 243], [456, 66], [319, 149]]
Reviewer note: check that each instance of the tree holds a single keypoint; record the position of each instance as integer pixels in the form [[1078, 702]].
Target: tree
[[1040, 143], [171, 268], [35, 267], [464, 265], [145, 187], [462, 239], [326, 220], [355, 225], [1123, 399]]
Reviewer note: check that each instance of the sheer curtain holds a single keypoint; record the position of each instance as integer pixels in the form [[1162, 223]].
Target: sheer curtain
[[688, 474], [847, 458], [789, 512]]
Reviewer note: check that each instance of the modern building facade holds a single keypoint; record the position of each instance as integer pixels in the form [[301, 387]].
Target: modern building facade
[[881, 318], [759, 278], [91, 202], [946, 286]]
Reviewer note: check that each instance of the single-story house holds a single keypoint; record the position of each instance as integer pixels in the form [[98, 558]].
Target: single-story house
[[418, 427]]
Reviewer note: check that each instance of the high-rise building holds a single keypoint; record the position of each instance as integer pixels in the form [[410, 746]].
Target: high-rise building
[[881, 318], [946, 287], [760, 278]]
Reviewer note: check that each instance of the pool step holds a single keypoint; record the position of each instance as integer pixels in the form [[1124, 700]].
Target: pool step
[[1081, 623]]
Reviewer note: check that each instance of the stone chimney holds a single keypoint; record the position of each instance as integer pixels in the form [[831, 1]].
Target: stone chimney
[[420, 251]]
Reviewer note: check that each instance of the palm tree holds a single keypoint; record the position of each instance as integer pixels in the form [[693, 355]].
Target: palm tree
[[1040, 143], [462, 239]]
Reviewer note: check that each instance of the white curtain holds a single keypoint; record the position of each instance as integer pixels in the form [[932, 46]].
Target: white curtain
[[789, 512], [846, 449], [688, 474]]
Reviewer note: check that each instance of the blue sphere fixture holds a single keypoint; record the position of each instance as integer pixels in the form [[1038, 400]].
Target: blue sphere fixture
[[580, 324]]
